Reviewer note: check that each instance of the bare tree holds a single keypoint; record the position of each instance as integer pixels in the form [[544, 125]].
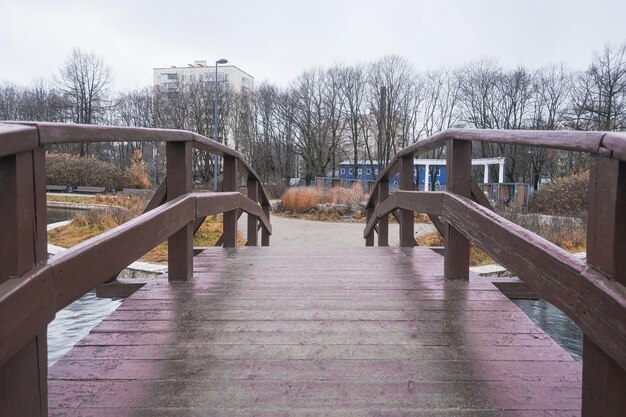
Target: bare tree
[[599, 99]]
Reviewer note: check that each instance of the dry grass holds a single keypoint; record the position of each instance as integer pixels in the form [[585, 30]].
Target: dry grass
[[207, 235], [569, 233], [94, 222], [301, 199], [478, 257]]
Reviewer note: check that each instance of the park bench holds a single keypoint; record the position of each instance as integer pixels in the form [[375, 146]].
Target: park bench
[[87, 189], [58, 188]]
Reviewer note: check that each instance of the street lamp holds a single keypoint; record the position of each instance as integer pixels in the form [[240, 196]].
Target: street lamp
[[215, 138]]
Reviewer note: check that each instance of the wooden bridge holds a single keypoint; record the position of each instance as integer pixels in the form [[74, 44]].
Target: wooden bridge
[[269, 331]]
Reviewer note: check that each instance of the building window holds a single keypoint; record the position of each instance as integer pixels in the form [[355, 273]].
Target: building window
[[351, 171], [375, 171], [343, 170], [360, 171], [368, 172], [172, 76]]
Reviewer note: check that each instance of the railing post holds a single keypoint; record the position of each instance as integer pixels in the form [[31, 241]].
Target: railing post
[[253, 231], [265, 235], [179, 182], [407, 234], [229, 183], [383, 222], [458, 181], [369, 239], [23, 245], [604, 381]]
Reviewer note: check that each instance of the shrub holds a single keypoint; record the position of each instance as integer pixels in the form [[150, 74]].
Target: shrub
[[340, 195], [67, 169], [567, 195], [478, 257], [301, 199]]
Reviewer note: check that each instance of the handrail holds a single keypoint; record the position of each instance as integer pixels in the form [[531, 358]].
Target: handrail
[[592, 293], [19, 136], [72, 273], [33, 288], [611, 144]]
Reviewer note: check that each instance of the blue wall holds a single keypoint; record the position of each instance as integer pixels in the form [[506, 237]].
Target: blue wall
[[434, 169]]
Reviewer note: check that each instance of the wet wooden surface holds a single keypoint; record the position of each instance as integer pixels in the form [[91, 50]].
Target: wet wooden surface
[[269, 331]]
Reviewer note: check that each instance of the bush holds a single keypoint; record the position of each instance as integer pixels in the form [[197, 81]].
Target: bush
[[566, 196], [339, 195], [73, 170], [301, 199]]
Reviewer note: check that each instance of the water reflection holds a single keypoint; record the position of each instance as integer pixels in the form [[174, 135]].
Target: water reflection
[[75, 321], [556, 324]]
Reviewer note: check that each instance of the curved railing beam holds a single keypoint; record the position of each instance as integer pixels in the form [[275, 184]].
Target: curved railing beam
[[597, 304], [600, 143], [214, 203], [418, 201]]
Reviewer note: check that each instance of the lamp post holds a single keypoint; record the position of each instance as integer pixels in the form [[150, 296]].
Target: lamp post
[[215, 138]]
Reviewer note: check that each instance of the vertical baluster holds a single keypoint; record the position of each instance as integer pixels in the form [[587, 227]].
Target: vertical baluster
[[265, 235], [369, 213], [253, 231], [383, 222], [23, 245], [230, 217], [407, 234], [179, 182], [458, 181], [604, 381]]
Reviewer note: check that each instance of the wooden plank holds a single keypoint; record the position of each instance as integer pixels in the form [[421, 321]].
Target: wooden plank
[[179, 182], [16, 138], [253, 194], [594, 302], [265, 233], [604, 380], [478, 196], [230, 217], [50, 133], [383, 222], [247, 338], [82, 267], [370, 219], [458, 181], [159, 197], [407, 233]]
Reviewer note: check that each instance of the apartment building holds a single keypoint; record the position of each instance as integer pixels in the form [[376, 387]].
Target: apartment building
[[175, 78]]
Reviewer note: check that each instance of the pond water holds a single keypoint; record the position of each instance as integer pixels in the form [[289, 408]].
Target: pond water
[[552, 320], [75, 321], [59, 214]]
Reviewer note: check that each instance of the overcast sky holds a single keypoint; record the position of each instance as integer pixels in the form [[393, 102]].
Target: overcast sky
[[276, 40]]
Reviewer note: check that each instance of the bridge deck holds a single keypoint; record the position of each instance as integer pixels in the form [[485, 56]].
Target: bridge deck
[[278, 331]]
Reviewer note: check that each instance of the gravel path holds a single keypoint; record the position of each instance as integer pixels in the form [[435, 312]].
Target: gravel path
[[308, 233]]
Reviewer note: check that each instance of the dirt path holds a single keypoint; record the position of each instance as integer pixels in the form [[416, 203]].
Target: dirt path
[[308, 233]]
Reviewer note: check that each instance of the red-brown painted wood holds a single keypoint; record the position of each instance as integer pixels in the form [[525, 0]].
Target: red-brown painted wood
[[458, 181], [179, 182], [253, 194], [604, 381], [261, 331], [407, 232], [383, 222], [229, 183]]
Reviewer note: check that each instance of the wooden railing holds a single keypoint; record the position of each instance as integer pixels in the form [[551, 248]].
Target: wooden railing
[[33, 288], [593, 294]]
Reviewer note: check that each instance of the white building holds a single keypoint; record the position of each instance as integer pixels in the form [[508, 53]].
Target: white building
[[172, 79]]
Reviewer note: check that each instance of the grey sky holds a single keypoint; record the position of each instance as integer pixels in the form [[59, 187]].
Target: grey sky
[[276, 40]]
